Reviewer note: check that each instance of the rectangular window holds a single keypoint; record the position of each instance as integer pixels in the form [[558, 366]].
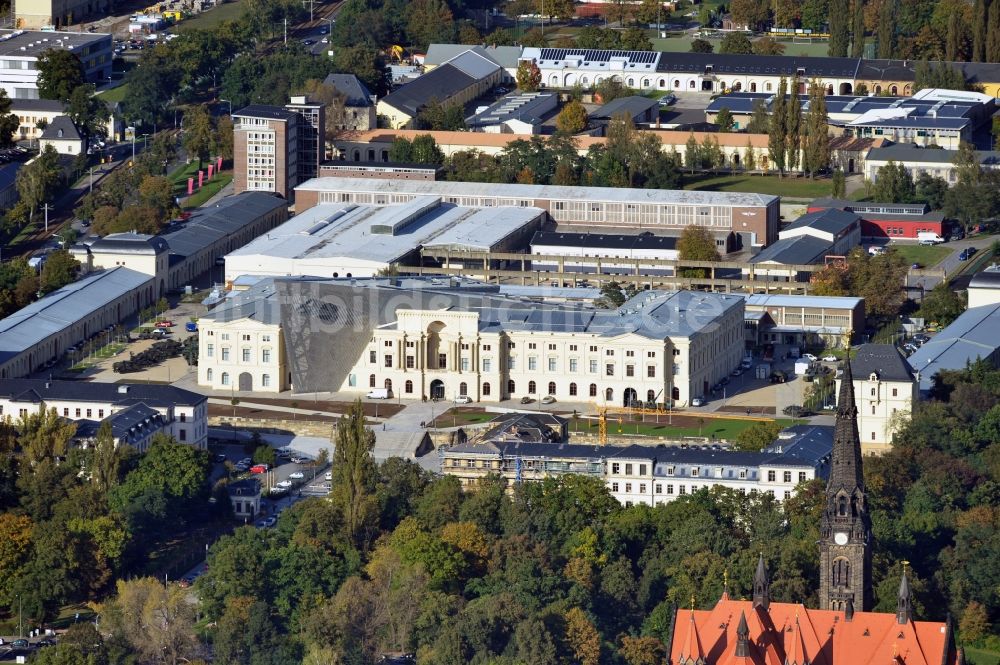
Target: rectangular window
[[442, 360], [552, 364], [743, 474], [873, 409], [802, 476], [609, 369], [670, 489], [572, 364], [487, 364], [609, 352], [411, 362], [628, 469], [265, 380], [373, 357], [650, 354], [593, 367], [265, 338], [388, 360], [642, 469], [895, 392], [614, 487], [658, 488], [630, 354], [873, 392], [210, 350], [642, 488], [246, 355], [531, 346], [532, 364], [770, 476], [628, 488], [552, 347], [629, 370], [616, 468], [651, 371], [464, 364], [511, 363], [787, 476], [681, 489], [670, 470], [593, 349], [225, 354], [183, 434], [65, 412], [694, 472], [572, 347]]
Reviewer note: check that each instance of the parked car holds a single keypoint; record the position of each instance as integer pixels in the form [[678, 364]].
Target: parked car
[[829, 359], [915, 266], [526, 400], [284, 483], [20, 644], [296, 475], [698, 401], [164, 324], [298, 459], [259, 468], [278, 489], [463, 399], [191, 326], [548, 399], [810, 357], [270, 521], [329, 476], [668, 99], [220, 458], [738, 371], [746, 364]]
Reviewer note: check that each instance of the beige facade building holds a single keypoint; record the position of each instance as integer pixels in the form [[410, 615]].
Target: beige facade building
[[885, 390], [420, 339]]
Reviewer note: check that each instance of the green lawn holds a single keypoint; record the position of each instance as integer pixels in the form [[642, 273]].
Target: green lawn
[[927, 256], [719, 428], [229, 11], [787, 187], [208, 190], [115, 94], [975, 656]]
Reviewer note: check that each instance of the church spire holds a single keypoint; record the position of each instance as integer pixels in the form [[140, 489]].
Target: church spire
[[743, 637], [904, 608], [692, 653], [761, 585], [845, 463]]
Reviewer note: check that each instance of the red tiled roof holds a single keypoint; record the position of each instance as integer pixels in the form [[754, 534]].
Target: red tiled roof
[[792, 634]]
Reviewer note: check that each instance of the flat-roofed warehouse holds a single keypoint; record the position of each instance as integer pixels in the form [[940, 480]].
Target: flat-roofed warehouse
[[754, 217], [358, 240]]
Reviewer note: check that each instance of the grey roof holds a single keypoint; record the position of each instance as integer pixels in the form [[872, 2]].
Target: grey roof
[[8, 175], [799, 250], [971, 336], [773, 65], [129, 243], [245, 487], [32, 43], [43, 105], [633, 105], [671, 456], [544, 450], [526, 106], [61, 128], [62, 308], [788, 300], [442, 83], [505, 56], [526, 427], [265, 111], [474, 64], [351, 87], [809, 443], [604, 240], [35, 391], [210, 224], [987, 279], [650, 314], [131, 424], [831, 220], [550, 192], [883, 360], [907, 152]]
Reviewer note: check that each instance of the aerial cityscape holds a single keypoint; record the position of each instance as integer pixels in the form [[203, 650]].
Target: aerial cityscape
[[578, 332]]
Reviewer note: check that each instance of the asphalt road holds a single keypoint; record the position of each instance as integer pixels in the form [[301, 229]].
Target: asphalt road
[[950, 264]]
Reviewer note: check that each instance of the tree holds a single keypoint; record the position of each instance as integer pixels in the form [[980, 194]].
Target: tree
[[758, 436], [975, 623], [760, 121], [777, 138], [793, 127], [992, 38], [428, 22], [58, 270], [893, 184], [89, 114], [886, 32], [425, 150], [839, 184], [711, 154], [942, 304], [81, 644], [610, 89], [767, 45], [59, 72], [642, 650], [572, 119], [724, 120], [839, 28], [979, 18], [38, 180], [612, 294], [157, 192], [467, 34], [692, 153], [156, 621], [697, 244], [857, 29], [816, 155], [15, 548], [264, 454], [582, 637], [529, 76], [352, 487], [224, 137], [701, 46], [9, 122], [198, 133], [753, 13], [932, 190], [736, 42], [750, 157]]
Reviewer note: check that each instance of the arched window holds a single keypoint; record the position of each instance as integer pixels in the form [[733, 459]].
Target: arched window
[[650, 396], [584, 81], [894, 90], [463, 389], [371, 380], [878, 90], [631, 82], [842, 505], [691, 85], [767, 87], [609, 394], [677, 83], [388, 384], [753, 86], [593, 390], [554, 81], [552, 387], [531, 388], [510, 386], [841, 573], [572, 389], [208, 375], [486, 389], [225, 378], [408, 387], [662, 83], [645, 83]]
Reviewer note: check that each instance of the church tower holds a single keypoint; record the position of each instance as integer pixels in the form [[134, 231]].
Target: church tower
[[845, 530]]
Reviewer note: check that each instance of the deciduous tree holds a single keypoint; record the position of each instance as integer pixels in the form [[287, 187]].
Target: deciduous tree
[[353, 485], [59, 73], [529, 76], [724, 120], [572, 119], [736, 42], [777, 141]]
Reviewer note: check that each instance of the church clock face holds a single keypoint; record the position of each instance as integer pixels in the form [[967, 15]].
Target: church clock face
[[840, 538]]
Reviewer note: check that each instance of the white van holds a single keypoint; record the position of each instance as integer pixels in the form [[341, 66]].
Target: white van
[[929, 238], [378, 393]]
